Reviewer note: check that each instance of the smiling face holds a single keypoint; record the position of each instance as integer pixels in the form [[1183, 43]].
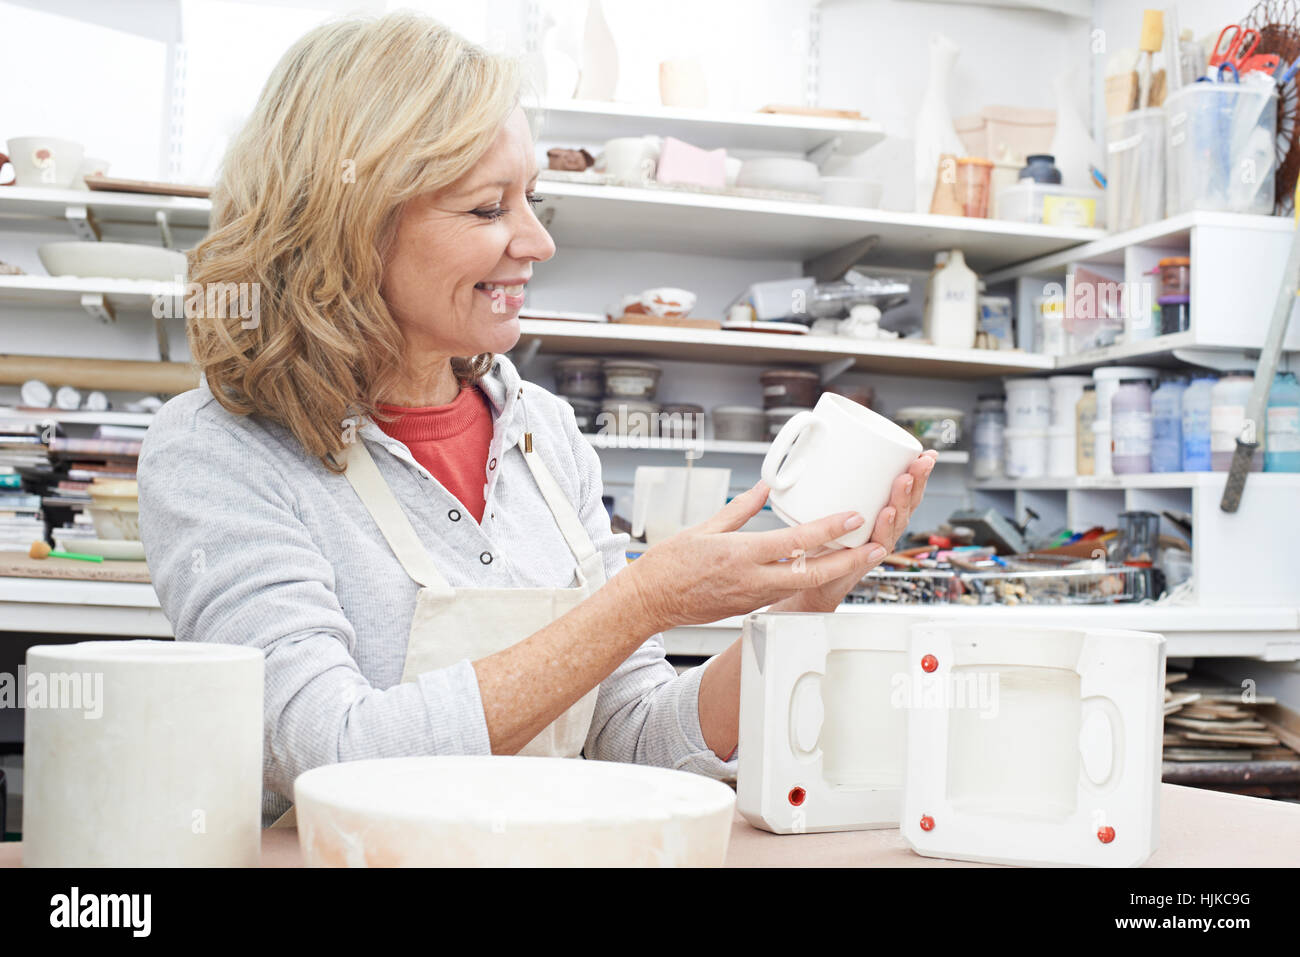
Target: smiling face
[[454, 278]]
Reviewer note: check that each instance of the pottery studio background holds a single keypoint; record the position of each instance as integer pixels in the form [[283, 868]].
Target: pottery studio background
[[716, 262]]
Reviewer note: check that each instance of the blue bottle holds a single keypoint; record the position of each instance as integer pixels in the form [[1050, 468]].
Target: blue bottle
[[1167, 425], [1282, 425], [1196, 423]]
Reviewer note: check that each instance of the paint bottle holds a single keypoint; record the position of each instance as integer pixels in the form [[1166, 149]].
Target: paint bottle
[[1282, 431], [951, 304], [1085, 412], [990, 424], [1228, 401], [1196, 423], [1130, 427], [1167, 425]]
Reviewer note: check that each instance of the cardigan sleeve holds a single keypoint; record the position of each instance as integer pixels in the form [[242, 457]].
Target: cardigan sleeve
[[646, 713]]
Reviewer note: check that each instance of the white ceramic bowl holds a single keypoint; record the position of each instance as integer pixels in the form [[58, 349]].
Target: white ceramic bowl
[[112, 261], [780, 172], [850, 191], [510, 812]]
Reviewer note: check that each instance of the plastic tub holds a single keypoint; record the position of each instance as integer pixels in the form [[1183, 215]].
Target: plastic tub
[[1061, 450], [1101, 447], [1030, 202], [681, 420], [1130, 428], [1228, 399], [1029, 403], [631, 379], [936, 427], [790, 387], [1135, 168], [739, 423], [1108, 379], [580, 378], [1067, 390], [1220, 143], [780, 416], [584, 412], [1026, 453], [628, 417]]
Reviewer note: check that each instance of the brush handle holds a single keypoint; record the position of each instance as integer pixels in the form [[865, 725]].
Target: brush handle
[[78, 556]]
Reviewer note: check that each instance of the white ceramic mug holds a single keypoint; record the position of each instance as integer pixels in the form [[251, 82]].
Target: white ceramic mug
[[836, 457], [632, 159], [44, 161]]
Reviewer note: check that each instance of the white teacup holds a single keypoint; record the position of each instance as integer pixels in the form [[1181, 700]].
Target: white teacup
[[44, 161], [837, 457], [632, 159]]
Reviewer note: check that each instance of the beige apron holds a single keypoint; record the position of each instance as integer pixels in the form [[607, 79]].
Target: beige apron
[[451, 625]]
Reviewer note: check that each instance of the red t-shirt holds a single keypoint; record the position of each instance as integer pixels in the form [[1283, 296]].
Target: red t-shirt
[[451, 441]]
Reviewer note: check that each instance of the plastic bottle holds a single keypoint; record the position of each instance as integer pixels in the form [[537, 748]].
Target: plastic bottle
[[987, 448], [1228, 401], [1085, 414], [952, 304], [1167, 425], [1130, 427], [1196, 423], [1282, 431]]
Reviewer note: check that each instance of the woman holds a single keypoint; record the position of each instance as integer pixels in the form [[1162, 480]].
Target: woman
[[414, 538]]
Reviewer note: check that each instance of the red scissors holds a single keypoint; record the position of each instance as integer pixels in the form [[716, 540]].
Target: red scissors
[[1241, 44]]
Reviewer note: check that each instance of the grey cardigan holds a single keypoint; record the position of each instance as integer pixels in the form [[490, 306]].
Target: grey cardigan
[[251, 541]]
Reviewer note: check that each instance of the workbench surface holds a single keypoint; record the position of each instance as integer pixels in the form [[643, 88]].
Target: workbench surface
[[1198, 828]]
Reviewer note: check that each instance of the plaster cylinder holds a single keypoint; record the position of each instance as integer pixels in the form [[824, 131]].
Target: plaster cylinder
[[143, 754]]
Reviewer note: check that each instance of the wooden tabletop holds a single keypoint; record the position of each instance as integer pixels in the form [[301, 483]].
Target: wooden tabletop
[[1198, 828]]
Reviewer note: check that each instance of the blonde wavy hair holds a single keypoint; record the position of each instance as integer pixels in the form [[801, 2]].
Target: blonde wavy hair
[[359, 116]]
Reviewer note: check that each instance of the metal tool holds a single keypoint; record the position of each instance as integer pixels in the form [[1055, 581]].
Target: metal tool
[[1248, 441]]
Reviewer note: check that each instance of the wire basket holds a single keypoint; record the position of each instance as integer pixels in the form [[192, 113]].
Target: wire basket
[[1039, 582]]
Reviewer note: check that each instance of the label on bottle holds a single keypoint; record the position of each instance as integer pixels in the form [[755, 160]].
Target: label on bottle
[[1283, 429], [773, 390], [1130, 433], [1226, 423]]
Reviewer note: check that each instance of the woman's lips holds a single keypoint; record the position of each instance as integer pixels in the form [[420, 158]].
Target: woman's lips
[[511, 296]]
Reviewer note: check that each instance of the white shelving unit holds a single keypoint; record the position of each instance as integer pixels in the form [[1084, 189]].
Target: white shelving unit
[[1257, 620]]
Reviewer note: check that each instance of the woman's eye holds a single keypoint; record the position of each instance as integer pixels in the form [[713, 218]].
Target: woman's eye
[[491, 214], [535, 199]]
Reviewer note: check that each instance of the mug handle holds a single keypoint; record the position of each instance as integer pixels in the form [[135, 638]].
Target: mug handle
[[778, 479], [5, 159]]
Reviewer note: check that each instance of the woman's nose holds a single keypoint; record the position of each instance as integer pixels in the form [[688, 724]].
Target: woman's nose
[[532, 242]]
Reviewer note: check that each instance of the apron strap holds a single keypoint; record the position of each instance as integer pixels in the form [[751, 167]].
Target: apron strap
[[378, 498], [565, 516]]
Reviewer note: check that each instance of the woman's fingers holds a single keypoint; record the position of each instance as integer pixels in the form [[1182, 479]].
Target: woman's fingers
[[804, 572], [920, 471], [806, 538], [738, 511]]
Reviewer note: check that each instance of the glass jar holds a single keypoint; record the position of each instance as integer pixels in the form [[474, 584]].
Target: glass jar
[[1176, 276]]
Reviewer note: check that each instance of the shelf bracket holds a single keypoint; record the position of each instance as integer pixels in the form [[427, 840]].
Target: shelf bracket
[[1221, 360], [828, 267], [832, 369], [164, 227], [82, 222], [164, 345], [529, 352], [97, 306], [820, 153]]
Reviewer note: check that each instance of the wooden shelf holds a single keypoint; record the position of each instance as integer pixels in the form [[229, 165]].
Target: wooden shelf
[[1152, 480], [620, 217], [895, 356], [576, 122]]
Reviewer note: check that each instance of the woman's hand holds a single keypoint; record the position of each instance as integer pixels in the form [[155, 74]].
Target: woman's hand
[[712, 571], [892, 520]]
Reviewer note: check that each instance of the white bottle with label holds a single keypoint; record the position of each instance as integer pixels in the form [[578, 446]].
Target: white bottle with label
[[952, 303]]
